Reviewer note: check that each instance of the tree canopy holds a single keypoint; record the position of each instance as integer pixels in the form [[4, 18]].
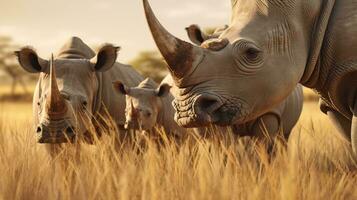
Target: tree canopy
[[150, 64]]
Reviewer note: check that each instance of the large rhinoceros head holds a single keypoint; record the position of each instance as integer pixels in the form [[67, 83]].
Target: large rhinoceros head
[[252, 66], [66, 94]]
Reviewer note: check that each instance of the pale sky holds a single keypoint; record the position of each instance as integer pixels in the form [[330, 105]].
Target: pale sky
[[47, 24]]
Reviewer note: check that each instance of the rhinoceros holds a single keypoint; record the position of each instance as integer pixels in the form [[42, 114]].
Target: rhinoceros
[[149, 105], [268, 48], [75, 89]]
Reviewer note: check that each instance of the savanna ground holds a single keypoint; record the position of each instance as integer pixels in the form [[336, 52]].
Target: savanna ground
[[316, 165]]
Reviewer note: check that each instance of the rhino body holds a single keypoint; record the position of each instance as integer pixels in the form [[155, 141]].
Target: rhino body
[[149, 106], [268, 48], [75, 90]]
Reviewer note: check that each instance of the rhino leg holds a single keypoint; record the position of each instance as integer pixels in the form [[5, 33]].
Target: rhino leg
[[354, 129], [342, 124], [266, 128]]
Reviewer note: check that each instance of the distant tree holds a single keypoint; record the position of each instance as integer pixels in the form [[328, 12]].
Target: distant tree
[[9, 65], [209, 30], [150, 64]]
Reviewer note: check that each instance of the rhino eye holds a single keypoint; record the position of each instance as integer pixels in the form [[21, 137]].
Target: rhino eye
[[248, 57], [252, 53]]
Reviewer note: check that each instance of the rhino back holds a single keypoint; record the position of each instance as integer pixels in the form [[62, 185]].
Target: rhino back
[[114, 101]]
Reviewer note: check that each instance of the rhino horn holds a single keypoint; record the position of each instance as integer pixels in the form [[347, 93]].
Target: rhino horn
[[55, 104], [179, 55]]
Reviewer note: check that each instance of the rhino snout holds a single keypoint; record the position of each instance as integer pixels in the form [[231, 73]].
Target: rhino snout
[[199, 111], [210, 108], [52, 135]]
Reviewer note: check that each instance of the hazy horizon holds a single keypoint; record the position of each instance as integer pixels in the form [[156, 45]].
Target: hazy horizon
[[46, 25]]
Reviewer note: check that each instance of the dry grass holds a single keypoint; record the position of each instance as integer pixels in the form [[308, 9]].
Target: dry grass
[[315, 166]]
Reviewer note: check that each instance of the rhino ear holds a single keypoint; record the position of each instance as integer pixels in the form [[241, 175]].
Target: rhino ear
[[105, 58], [30, 61], [163, 90], [195, 34], [121, 88]]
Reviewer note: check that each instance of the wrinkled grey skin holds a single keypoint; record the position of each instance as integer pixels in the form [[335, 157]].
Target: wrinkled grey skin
[[80, 92], [282, 118], [268, 48], [148, 105]]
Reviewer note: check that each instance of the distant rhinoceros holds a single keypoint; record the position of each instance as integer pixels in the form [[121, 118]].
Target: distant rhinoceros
[[75, 88], [149, 105], [268, 48]]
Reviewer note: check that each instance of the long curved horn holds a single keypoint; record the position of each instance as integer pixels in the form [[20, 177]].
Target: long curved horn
[[55, 104], [179, 55]]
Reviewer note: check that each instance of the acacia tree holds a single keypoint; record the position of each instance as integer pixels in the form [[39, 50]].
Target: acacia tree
[[150, 64], [9, 65]]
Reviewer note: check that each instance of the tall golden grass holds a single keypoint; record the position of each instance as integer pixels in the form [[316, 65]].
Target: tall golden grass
[[316, 165]]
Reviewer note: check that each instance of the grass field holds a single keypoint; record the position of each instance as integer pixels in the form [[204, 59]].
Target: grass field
[[315, 166]]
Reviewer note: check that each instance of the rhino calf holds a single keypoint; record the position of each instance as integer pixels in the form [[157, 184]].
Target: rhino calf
[[149, 105]]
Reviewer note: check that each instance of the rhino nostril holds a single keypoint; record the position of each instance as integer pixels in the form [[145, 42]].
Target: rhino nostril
[[148, 114], [208, 104], [39, 130], [70, 130]]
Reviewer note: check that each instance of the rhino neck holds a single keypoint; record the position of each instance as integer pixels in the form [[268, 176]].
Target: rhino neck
[[312, 75]]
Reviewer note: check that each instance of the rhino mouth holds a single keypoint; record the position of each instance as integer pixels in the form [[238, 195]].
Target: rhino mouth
[[57, 137], [56, 133], [207, 109]]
